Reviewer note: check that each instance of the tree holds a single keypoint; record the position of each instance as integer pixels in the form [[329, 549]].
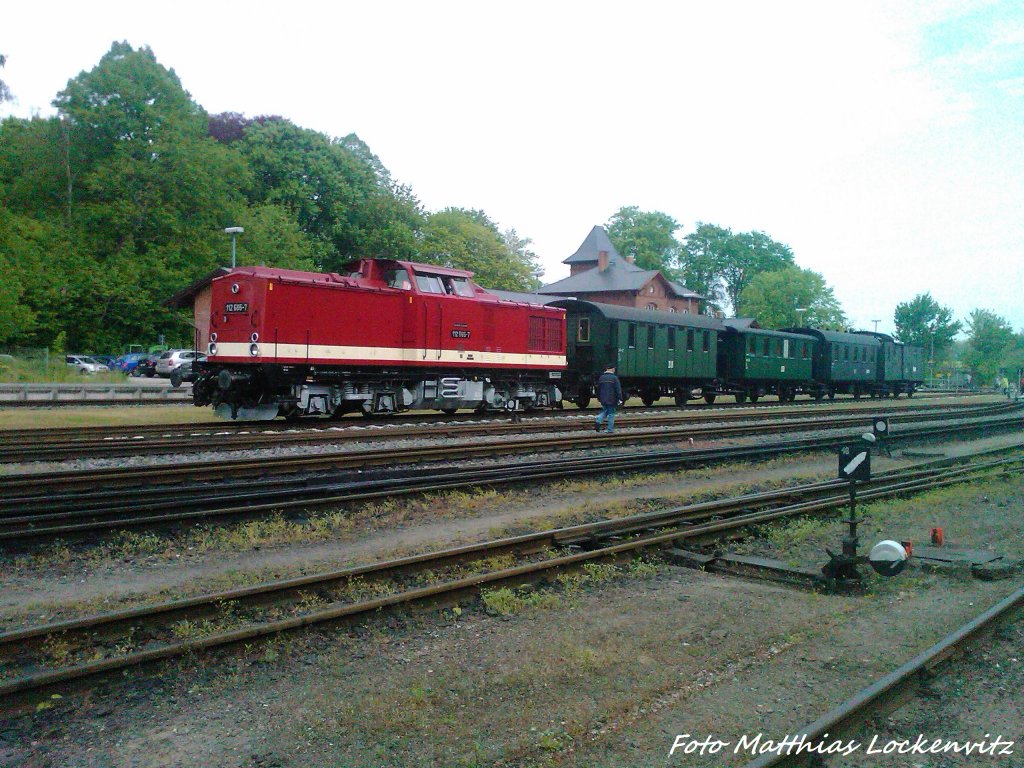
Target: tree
[[647, 237], [924, 322], [5, 92], [343, 200], [468, 239], [773, 298], [720, 264], [701, 262], [990, 344], [274, 239]]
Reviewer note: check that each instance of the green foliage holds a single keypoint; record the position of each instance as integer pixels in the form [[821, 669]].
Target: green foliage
[[648, 237], [991, 345], [467, 239], [924, 322], [5, 92], [773, 297], [720, 264]]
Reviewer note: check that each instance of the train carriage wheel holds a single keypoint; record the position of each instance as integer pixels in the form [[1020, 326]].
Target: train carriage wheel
[[709, 398], [831, 394], [647, 397], [582, 401], [754, 397], [681, 400], [741, 397], [449, 411], [910, 393]]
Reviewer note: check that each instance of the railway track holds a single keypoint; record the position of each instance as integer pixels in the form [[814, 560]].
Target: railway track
[[91, 442], [893, 690], [36, 660], [34, 507]]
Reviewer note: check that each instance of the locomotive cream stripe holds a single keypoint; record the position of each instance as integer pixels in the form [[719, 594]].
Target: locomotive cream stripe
[[300, 353]]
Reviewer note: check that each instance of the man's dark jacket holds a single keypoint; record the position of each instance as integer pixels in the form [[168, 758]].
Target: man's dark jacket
[[609, 389]]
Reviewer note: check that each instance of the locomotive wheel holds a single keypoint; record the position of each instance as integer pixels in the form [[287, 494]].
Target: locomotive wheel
[[741, 397], [709, 398]]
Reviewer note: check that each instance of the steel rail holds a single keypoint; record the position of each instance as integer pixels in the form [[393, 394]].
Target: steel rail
[[558, 537], [27, 447], [150, 510], [891, 691], [25, 483]]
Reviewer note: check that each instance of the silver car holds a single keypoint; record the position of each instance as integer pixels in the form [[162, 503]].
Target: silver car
[[173, 359], [84, 364]]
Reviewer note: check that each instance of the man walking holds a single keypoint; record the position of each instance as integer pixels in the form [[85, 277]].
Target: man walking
[[609, 394]]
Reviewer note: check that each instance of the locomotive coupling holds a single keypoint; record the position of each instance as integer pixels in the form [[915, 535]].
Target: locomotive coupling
[[227, 379]]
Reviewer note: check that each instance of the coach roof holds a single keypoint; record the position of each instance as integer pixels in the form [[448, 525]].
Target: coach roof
[[651, 316]]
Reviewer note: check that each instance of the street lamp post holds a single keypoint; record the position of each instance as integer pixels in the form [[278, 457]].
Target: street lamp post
[[876, 322], [234, 232], [799, 315]]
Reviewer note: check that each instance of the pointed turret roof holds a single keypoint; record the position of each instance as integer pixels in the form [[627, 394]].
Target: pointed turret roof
[[594, 243]]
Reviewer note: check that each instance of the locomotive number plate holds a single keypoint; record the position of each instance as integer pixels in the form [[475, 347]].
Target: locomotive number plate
[[235, 307], [460, 334]]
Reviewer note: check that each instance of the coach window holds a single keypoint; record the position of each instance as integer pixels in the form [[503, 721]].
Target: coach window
[[397, 278], [806, 350], [583, 330], [707, 340], [650, 336], [778, 347], [671, 339], [752, 345], [766, 348], [689, 341], [846, 353], [631, 336]]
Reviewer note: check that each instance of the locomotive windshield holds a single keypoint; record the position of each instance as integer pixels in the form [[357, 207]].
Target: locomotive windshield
[[397, 278]]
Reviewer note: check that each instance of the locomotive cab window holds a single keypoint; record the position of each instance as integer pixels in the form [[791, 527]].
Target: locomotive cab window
[[397, 278], [458, 286], [429, 284], [583, 330]]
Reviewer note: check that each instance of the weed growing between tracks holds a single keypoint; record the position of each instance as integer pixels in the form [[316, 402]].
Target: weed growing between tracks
[[802, 542]]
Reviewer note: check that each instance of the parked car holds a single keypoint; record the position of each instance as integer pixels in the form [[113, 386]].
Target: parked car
[[173, 359], [127, 363], [185, 371], [84, 364], [146, 366], [107, 360]]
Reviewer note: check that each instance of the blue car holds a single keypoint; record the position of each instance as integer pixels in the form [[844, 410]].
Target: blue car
[[128, 363]]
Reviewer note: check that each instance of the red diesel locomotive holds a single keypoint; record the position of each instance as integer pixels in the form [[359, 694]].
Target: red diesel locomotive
[[384, 336]]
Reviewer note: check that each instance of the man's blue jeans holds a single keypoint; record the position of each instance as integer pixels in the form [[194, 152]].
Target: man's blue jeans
[[607, 414]]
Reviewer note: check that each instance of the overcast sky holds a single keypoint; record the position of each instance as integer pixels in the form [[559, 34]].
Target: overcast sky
[[884, 142]]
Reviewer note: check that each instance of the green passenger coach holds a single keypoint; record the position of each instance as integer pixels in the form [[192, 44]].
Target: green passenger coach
[[656, 353], [756, 361]]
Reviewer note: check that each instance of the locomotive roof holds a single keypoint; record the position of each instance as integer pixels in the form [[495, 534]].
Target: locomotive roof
[[656, 316], [837, 336]]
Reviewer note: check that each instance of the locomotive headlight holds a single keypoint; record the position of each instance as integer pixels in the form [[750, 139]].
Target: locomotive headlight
[[255, 337], [254, 349], [213, 336], [234, 287], [211, 348]]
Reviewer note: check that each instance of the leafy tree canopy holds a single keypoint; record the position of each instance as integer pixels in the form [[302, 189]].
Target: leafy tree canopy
[[648, 237], [991, 344], [5, 92], [720, 264], [924, 322], [774, 297], [468, 239]]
